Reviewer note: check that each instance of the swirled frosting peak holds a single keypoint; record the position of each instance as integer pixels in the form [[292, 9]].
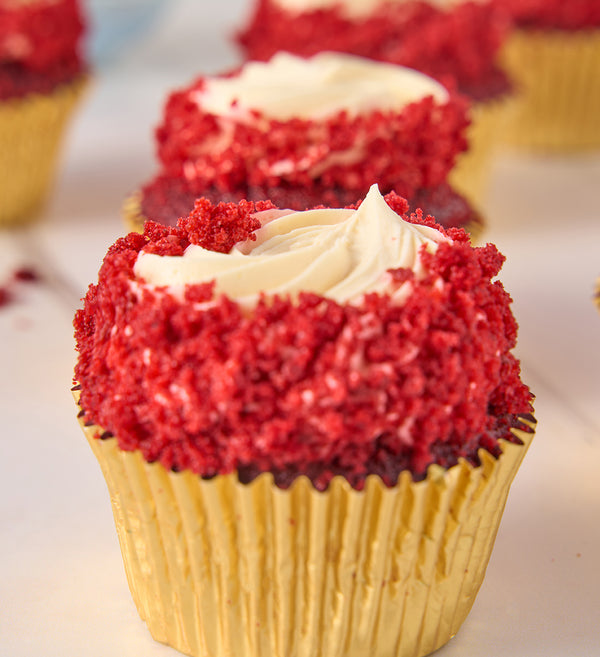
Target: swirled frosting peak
[[288, 86], [337, 253]]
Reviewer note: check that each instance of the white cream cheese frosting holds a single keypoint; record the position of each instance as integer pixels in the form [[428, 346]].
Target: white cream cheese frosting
[[337, 253], [288, 86], [349, 8]]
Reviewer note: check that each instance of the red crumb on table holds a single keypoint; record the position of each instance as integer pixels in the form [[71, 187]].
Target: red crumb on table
[[457, 45], [302, 387], [20, 275], [5, 297], [27, 275]]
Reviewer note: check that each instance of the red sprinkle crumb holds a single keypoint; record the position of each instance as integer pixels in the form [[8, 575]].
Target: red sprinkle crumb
[[220, 227]]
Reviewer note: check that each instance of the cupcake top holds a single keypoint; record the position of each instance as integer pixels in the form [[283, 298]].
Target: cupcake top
[[326, 342], [455, 43], [39, 45], [330, 122], [350, 8], [288, 87], [552, 14]]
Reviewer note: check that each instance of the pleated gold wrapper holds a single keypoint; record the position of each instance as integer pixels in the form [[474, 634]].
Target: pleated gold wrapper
[[31, 133], [131, 213], [217, 567], [558, 74], [471, 173]]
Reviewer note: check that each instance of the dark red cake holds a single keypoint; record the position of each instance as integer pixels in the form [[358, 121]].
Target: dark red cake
[[300, 384], [39, 46], [300, 163], [552, 14]]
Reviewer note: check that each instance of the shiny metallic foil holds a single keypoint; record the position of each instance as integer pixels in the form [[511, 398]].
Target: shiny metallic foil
[[558, 73], [489, 121], [221, 568], [131, 213], [31, 133]]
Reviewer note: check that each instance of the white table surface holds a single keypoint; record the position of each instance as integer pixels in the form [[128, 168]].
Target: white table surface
[[62, 586]]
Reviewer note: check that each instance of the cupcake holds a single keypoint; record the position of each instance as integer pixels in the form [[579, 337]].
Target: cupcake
[[554, 57], [308, 422], [308, 132], [455, 42], [42, 76]]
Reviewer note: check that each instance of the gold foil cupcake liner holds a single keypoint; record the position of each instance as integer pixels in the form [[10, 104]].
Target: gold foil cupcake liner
[[558, 77], [489, 120], [131, 213], [217, 567], [31, 133]]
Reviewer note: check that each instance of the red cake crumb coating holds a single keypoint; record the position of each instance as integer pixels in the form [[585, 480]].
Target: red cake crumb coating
[[309, 387], [457, 45], [404, 150], [39, 45], [409, 152], [552, 14]]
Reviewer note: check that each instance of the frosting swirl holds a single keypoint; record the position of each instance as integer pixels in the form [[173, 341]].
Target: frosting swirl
[[288, 86], [340, 254]]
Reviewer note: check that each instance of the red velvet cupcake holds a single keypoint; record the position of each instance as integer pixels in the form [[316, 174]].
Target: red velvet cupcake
[[42, 75], [554, 57], [304, 419], [308, 132], [457, 43]]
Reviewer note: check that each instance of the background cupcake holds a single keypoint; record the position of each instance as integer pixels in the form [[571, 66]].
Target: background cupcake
[[308, 423], [456, 42], [554, 57], [308, 132], [41, 78]]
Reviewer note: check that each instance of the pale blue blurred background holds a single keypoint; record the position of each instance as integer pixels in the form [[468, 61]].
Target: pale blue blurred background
[[161, 34], [118, 24]]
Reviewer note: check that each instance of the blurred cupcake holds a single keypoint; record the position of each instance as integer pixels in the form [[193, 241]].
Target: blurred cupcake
[[455, 42], [308, 132], [554, 57], [308, 423], [42, 76]]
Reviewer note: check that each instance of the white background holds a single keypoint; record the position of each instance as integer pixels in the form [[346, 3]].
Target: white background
[[63, 591]]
